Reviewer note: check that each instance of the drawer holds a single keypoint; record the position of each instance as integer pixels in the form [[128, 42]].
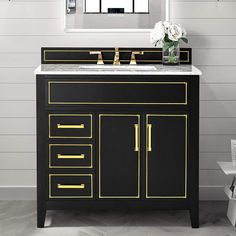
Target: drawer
[[70, 186], [70, 126], [87, 92], [70, 156]]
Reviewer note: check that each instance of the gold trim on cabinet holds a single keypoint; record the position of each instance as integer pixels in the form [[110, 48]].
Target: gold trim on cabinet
[[68, 50], [188, 60], [112, 103], [63, 186], [99, 157], [68, 145], [92, 60], [49, 125], [49, 186], [186, 155]]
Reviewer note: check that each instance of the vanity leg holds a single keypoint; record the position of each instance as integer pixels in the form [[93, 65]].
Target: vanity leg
[[194, 216], [41, 214]]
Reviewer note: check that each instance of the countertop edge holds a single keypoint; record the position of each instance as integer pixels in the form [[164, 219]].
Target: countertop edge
[[195, 71]]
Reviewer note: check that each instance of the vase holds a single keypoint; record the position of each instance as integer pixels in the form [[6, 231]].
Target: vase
[[170, 53]]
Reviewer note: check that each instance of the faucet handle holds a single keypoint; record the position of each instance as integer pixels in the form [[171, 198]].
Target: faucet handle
[[99, 53], [133, 59], [116, 60]]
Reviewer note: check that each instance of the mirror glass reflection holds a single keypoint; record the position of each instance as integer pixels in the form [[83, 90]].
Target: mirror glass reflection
[[113, 14], [114, 6]]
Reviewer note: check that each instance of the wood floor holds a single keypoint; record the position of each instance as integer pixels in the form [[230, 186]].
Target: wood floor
[[18, 218]]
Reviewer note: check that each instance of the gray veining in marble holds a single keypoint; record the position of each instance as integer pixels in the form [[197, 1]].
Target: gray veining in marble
[[60, 69], [18, 218]]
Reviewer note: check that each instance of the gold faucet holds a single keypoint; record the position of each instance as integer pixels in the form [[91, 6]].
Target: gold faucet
[[116, 57], [133, 59], [99, 53]]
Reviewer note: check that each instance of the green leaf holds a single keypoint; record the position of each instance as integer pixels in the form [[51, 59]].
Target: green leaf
[[185, 40], [166, 39]]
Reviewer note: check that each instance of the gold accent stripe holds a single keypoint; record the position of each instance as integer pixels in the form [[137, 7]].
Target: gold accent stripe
[[67, 196], [188, 57], [52, 115], [186, 156], [91, 60], [185, 102], [60, 156], [112, 82], [99, 157], [90, 146]]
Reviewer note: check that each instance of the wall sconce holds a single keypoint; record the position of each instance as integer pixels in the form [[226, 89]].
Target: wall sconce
[[70, 6]]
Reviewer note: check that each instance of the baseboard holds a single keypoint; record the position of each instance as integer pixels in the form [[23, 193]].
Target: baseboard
[[212, 193], [17, 192], [29, 193]]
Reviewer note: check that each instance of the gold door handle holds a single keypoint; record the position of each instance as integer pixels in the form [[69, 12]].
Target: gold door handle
[[68, 186], [136, 128], [149, 137], [80, 126], [60, 156]]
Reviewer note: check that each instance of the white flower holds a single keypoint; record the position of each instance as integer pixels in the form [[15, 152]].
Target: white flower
[[158, 33], [184, 32], [175, 32], [166, 25], [167, 31]]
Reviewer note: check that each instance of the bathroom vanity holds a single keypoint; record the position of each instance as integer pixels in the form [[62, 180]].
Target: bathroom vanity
[[117, 136]]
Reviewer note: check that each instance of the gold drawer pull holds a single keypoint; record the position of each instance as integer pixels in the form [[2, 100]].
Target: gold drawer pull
[[60, 156], [80, 126], [149, 137], [79, 186], [136, 128]]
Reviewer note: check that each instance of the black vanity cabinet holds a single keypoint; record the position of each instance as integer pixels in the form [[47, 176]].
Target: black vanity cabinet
[[119, 156], [166, 155], [117, 141]]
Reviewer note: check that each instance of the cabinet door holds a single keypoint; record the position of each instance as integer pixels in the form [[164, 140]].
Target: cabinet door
[[119, 156], [166, 156]]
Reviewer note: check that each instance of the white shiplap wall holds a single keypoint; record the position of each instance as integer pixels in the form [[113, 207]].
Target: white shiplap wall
[[27, 25]]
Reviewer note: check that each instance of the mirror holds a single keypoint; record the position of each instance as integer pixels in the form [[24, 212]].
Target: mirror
[[114, 15], [114, 6]]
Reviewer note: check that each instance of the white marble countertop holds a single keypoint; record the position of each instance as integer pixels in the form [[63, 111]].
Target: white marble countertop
[[79, 69]]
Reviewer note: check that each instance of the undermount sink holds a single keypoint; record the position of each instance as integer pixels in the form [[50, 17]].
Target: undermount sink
[[118, 67]]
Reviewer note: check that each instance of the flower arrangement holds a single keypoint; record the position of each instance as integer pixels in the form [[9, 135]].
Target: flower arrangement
[[169, 35]]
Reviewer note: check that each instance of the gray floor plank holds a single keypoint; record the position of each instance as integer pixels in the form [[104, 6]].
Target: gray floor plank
[[18, 218]]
